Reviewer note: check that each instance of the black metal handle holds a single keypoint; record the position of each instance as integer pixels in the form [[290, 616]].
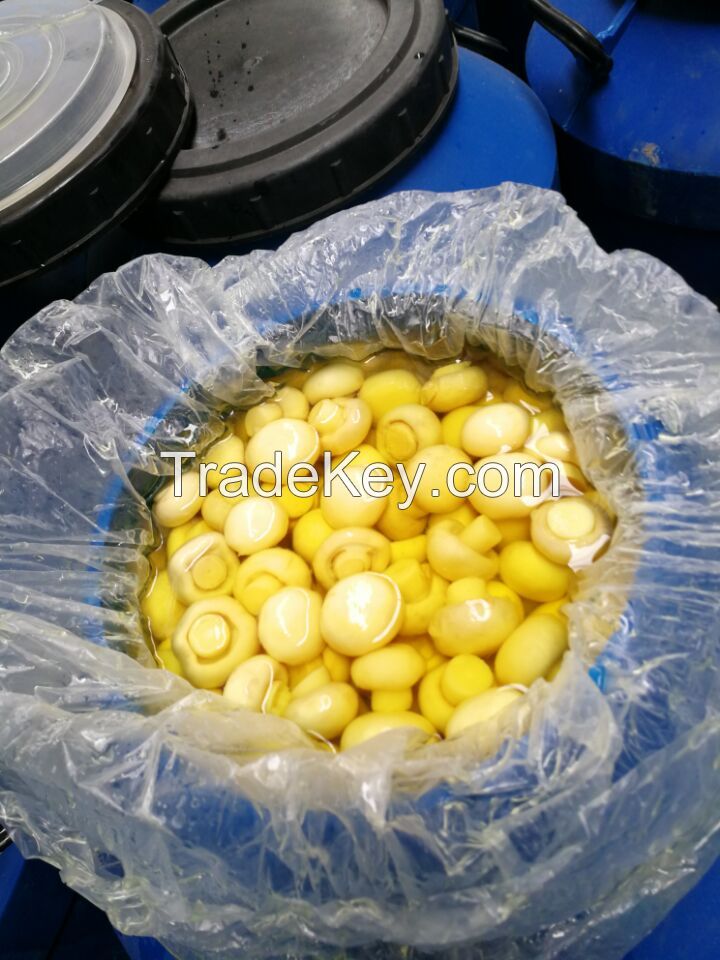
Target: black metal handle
[[574, 35], [480, 42]]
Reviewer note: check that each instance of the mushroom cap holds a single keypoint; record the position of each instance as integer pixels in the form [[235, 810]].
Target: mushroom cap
[[404, 430], [255, 524], [264, 573], [349, 551], [339, 379], [212, 638], [395, 667], [326, 711], [203, 567], [389, 389], [172, 511], [342, 424], [250, 683], [454, 385], [571, 531], [289, 625], [361, 613], [496, 428], [478, 625], [481, 709], [296, 441]]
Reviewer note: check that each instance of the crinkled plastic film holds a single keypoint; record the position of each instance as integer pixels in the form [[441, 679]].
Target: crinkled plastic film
[[569, 837]]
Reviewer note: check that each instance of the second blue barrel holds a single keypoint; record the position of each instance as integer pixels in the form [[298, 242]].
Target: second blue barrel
[[640, 150]]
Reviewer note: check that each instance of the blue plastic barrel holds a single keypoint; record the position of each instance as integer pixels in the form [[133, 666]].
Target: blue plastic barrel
[[649, 726], [642, 618], [640, 151]]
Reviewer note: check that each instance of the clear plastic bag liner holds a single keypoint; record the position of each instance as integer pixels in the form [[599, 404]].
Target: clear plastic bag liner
[[224, 834]]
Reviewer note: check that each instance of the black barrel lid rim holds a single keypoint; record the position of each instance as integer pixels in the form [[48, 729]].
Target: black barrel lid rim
[[282, 178], [113, 175]]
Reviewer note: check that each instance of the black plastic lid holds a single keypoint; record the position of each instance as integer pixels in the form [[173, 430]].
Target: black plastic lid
[[60, 190], [300, 105]]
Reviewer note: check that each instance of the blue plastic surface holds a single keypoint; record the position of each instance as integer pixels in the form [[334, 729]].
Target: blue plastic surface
[[658, 112], [640, 152], [33, 907], [496, 130], [691, 931]]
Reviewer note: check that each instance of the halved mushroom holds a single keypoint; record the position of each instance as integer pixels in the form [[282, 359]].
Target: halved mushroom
[[204, 567], [397, 524], [412, 548], [264, 573], [423, 592], [455, 551], [349, 551], [309, 533], [464, 514]]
